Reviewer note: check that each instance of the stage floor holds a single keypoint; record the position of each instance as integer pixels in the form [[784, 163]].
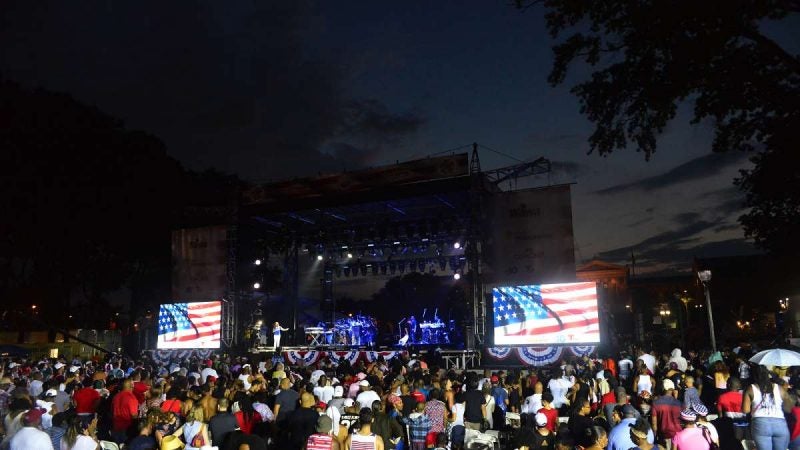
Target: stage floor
[[306, 356]]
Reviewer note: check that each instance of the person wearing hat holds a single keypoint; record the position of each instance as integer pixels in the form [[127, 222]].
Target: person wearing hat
[[337, 401], [620, 437], [691, 437], [535, 434], [702, 422], [641, 435], [30, 436], [322, 438], [367, 395]]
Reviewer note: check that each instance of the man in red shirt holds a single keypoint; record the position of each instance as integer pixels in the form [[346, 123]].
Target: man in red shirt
[[86, 400], [549, 412], [124, 408], [140, 387], [730, 403]]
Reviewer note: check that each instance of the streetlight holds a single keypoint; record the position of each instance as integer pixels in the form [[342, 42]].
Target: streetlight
[[705, 278]]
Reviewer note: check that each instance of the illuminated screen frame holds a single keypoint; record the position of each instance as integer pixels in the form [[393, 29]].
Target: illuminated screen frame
[[210, 332], [564, 314]]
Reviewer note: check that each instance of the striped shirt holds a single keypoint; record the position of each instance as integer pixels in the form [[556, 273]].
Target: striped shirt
[[360, 442], [319, 441]]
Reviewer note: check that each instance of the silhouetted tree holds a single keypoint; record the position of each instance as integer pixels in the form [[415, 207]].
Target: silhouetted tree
[[650, 56]]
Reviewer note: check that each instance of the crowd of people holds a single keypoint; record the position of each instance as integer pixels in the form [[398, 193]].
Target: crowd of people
[[634, 401]]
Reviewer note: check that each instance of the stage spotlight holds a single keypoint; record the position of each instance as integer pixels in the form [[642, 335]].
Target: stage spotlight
[[456, 276], [258, 262], [349, 256], [457, 245], [256, 285], [320, 257]]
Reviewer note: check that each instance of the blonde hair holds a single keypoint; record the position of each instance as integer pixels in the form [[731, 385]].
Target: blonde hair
[[196, 414]]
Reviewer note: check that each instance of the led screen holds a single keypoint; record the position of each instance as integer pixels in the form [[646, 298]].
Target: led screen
[[189, 325], [546, 314]]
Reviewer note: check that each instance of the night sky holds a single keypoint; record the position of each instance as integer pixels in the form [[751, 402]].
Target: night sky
[[268, 90]]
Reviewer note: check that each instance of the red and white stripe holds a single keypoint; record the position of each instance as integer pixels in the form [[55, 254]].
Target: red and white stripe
[[207, 320]]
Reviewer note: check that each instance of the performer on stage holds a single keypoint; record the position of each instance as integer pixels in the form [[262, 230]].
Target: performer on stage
[[276, 334], [412, 329]]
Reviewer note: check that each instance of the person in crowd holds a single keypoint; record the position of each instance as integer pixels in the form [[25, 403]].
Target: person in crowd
[[666, 415], [559, 387], [386, 427], [322, 438], [222, 423], [594, 438], [501, 402], [247, 417], [364, 438], [303, 421], [276, 335], [767, 402], [79, 435], [145, 440], [702, 422], [690, 437], [125, 409], [648, 360], [643, 382], [642, 436], [579, 420], [620, 437], [681, 364], [194, 431], [474, 406], [285, 401], [549, 411], [30, 436], [366, 395], [533, 402]]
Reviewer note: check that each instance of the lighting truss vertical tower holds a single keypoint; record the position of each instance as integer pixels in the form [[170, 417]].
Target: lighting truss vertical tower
[[475, 248], [290, 279], [228, 331]]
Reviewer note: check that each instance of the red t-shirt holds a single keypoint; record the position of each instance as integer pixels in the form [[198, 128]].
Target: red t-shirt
[[552, 418], [86, 400], [730, 402], [125, 408], [795, 431], [139, 389], [247, 425], [607, 398]]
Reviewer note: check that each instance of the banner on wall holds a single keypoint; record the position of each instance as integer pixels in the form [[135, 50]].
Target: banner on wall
[[529, 236], [199, 263], [532, 356]]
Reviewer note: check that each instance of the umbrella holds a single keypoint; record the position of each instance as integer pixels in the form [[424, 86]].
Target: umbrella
[[776, 357]]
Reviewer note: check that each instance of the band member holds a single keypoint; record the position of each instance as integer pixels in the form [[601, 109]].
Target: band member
[[276, 335], [412, 328]]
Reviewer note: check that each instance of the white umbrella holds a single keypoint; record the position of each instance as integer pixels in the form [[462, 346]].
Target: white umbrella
[[776, 357]]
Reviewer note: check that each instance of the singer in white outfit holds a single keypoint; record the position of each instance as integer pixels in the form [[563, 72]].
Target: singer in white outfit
[[276, 335]]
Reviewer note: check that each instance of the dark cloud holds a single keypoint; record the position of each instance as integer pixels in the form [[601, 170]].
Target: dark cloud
[[673, 258], [681, 236], [686, 217], [695, 169], [238, 86], [639, 222]]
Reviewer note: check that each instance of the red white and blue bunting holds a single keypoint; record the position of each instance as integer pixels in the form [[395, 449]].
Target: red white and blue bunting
[[539, 356], [303, 358], [166, 356], [582, 350], [337, 357], [499, 353]]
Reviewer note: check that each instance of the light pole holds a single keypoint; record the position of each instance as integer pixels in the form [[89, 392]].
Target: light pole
[[705, 278]]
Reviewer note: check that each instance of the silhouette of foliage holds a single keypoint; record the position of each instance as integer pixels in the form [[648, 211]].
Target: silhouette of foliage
[[650, 56]]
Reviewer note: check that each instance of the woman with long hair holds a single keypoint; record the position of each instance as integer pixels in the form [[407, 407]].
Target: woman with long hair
[[79, 436], [767, 402], [247, 416], [194, 430], [593, 438]]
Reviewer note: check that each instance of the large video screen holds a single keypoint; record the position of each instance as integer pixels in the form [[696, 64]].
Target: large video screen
[[189, 325], [546, 314]]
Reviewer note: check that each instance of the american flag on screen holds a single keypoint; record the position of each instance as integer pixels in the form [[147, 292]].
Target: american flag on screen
[[546, 314], [189, 325]]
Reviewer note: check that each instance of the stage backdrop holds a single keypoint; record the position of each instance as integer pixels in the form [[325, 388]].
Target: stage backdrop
[[529, 237], [199, 263], [532, 356]]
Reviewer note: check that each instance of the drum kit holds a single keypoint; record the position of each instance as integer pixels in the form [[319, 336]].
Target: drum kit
[[433, 331], [356, 330]]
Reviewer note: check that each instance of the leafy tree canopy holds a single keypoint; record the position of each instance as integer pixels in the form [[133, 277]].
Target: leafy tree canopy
[[649, 56]]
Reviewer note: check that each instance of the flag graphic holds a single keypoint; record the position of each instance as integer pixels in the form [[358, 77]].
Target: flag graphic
[[189, 325], [546, 314]]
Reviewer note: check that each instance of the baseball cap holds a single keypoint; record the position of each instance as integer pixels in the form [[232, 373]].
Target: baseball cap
[[12, 364], [348, 402], [364, 383], [73, 369], [688, 415], [58, 365], [338, 391], [668, 385], [322, 405], [495, 379], [51, 393], [361, 376], [211, 379], [541, 419], [324, 424], [34, 415]]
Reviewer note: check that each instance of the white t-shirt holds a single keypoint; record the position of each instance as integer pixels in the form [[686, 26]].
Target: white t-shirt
[[532, 404], [82, 443], [324, 393], [314, 378], [206, 372], [559, 387], [366, 398], [28, 438]]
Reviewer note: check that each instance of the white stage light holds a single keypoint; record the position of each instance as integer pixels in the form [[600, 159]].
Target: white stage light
[[456, 276], [256, 285], [319, 257], [457, 245], [349, 256], [258, 262]]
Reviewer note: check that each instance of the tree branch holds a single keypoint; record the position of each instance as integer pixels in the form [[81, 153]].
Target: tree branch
[[772, 47]]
